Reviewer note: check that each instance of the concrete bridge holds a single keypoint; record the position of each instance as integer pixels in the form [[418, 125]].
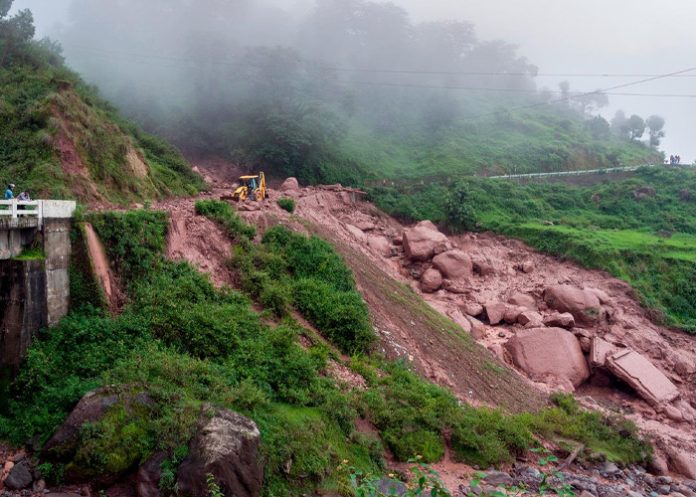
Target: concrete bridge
[[34, 273]]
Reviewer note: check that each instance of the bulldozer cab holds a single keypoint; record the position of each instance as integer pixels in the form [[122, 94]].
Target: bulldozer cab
[[250, 182]]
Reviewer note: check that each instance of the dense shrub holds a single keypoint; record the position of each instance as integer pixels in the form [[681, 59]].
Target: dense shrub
[[342, 316], [134, 240], [287, 204]]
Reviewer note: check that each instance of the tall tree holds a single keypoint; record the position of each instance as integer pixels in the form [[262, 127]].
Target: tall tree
[[5, 6], [619, 125], [636, 127], [655, 126]]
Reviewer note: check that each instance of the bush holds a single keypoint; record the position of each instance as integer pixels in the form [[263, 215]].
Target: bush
[[223, 213], [341, 316], [287, 204], [134, 240]]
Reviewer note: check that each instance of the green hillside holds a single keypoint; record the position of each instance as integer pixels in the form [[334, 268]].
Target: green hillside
[[58, 139], [182, 343]]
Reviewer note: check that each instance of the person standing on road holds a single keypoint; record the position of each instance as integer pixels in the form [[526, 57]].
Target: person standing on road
[[9, 193]]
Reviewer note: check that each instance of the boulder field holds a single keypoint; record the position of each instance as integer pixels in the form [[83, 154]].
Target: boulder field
[[561, 326]]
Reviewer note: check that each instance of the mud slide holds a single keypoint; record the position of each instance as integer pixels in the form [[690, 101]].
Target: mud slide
[[197, 240], [102, 270], [484, 315]]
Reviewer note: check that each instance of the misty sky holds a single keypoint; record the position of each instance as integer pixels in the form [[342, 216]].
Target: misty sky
[[563, 36]]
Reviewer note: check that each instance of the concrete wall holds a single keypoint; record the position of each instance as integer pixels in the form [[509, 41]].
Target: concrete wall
[[22, 309], [16, 235], [33, 294], [56, 238]]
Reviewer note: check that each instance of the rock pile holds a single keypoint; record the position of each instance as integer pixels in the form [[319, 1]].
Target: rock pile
[[605, 480]]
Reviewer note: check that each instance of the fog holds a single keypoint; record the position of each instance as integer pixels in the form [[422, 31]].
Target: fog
[[145, 53]]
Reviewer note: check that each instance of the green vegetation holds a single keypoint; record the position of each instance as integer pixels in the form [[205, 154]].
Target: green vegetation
[[58, 139], [181, 343], [287, 204], [289, 270], [31, 254], [641, 229]]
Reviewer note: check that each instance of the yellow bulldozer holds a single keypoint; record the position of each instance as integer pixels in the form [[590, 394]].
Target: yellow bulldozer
[[252, 188]]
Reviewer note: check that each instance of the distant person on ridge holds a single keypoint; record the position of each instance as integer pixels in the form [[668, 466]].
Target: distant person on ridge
[[9, 193]]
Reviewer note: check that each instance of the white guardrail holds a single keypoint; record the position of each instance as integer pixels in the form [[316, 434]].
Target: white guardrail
[[587, 171], [16, 209]]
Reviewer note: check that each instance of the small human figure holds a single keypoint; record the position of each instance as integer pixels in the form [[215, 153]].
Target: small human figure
[[678, 160], [9, 193], [671, 160], [24, 197]]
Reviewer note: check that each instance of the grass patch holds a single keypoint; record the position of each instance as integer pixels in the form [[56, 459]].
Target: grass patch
[[31, 254]]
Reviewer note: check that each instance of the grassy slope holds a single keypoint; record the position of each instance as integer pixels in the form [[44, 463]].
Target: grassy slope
[[649, 242], [185, 343], [49, 117], [532, 140]]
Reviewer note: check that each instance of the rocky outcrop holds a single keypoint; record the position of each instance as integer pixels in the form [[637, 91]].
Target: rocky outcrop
[[453, 264], [226, 446], [424, 241], [638, 372], [584, 305], [431, 281], [544, 353]]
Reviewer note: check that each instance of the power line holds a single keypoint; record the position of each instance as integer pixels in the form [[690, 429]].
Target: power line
[[324, 67], [458, 87], [582, 95]]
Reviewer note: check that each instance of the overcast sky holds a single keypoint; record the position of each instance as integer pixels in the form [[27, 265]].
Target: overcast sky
[[565, 36]]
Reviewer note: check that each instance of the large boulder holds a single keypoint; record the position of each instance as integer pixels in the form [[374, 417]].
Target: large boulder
[[560, 320], [148, 478], [357, 233], [19, 477], [424, 241], [495, 311], [380, 245], [290, 185], [525, 300], [584, 305], [82, 451], [91, 408], [431, 281], [453, 264], [599, 351], [642, 375], [226, 446], [683, 462], [549, 353], [530, 319]]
